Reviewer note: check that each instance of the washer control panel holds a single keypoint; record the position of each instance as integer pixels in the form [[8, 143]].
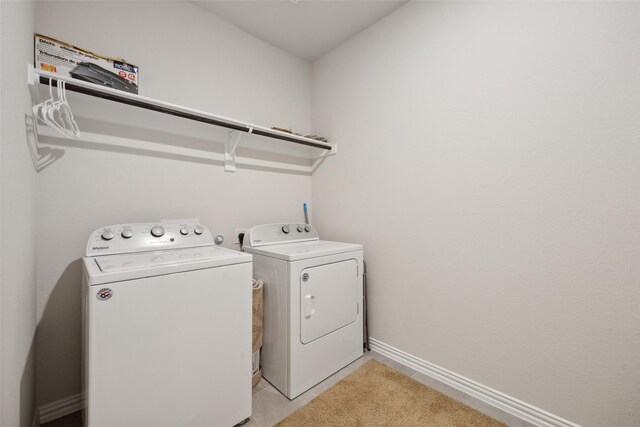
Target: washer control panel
[[273, 234], [142, 237]]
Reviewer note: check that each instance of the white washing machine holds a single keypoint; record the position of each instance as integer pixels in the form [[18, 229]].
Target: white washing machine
[[312, 304], [167, 330]]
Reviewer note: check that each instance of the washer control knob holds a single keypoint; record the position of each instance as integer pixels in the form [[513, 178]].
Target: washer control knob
[[219, 239], [285, 229], [127, 233], [157, 231], [184, 231], [299, 229], [107, 235], [198, 230], [307, 228]]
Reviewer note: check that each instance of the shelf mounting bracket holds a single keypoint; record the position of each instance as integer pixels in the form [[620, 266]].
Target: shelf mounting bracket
[[320, 159], [230, 146], [230, 150]]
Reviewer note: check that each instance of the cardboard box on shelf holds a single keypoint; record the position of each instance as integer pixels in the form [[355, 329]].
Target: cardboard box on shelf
[[70, 61]]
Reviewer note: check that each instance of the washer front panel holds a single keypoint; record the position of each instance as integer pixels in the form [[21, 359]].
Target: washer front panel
[[171, 350]]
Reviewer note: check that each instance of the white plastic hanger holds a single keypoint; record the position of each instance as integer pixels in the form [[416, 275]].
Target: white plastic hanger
[[62, 110], [58, 114]]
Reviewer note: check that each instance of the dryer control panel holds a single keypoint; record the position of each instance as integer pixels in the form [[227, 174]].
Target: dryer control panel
[[143, 237], [274, 234]]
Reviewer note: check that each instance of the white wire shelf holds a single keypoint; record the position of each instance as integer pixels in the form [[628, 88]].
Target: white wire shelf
[[254, 137]]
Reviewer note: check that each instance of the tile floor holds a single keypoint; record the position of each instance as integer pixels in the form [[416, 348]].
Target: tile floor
[[269, 406]]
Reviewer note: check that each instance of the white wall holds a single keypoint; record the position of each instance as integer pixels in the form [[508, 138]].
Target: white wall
[[489, 162], [18, 220], [186, 56]]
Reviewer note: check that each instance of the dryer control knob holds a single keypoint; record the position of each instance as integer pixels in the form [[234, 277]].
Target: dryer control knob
[[299, 229], [107, 235], [285, 229], [219, 239], [184, 231], [127, 233], [307, 228], [157, 231], [198, 230]]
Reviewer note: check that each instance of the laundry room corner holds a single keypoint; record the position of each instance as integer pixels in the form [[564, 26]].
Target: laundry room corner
[[98, 182]]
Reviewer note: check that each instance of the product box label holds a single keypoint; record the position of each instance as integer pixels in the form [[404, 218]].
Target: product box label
[[70, 61]]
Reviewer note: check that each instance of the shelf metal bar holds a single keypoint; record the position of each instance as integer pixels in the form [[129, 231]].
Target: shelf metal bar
[[141, 103]]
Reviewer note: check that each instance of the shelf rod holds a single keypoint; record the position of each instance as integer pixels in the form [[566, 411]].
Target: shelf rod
[[174, 112]]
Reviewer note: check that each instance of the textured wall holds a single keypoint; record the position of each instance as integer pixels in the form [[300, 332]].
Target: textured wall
[[17, 220], [186, 56], [490, 163]]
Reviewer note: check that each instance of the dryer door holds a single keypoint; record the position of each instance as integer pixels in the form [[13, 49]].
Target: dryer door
[[328, 298]]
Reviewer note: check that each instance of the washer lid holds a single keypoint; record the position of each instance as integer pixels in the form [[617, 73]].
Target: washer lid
[[304, 250], [114, 268]]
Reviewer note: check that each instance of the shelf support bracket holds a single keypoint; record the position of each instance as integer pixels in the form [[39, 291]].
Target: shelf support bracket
[[32, 79], [319, 160], [230, 150], [230, 146]]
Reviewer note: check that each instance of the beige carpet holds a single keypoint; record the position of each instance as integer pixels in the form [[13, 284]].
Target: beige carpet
[[376, 395]]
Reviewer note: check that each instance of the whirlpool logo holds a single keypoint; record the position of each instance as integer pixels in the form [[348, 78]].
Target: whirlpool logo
[[104, 294], [97, 248]]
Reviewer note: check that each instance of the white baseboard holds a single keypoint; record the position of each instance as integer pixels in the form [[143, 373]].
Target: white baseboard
[[60, 408], [511, 405], [481, 392]]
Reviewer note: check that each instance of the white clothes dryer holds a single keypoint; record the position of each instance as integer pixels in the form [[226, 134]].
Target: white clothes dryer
[[167, 328], [312, 304]]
